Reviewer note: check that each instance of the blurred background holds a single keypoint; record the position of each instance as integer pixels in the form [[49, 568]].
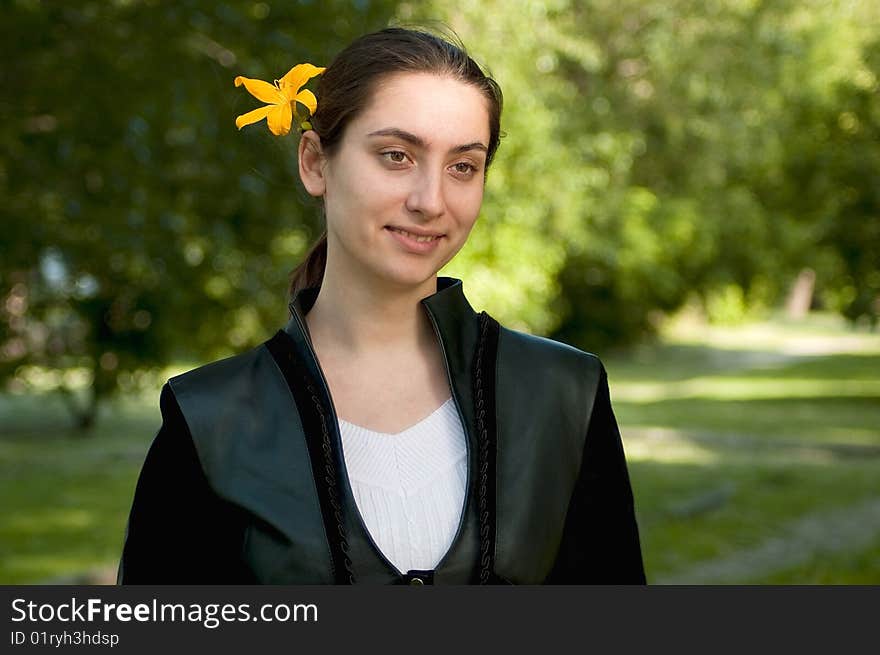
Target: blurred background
[[688, 188]]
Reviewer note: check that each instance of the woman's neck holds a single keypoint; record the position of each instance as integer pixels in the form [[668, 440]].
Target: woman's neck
[[358, 317]]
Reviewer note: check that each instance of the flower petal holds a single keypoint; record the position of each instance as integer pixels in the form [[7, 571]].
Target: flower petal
[[252, 116], [279, 118], [260, 90], [307, 98], [297, 76]]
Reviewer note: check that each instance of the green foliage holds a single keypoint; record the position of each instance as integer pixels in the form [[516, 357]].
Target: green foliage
[[139, 224], [837, 164], [654, 151], [657, 150]]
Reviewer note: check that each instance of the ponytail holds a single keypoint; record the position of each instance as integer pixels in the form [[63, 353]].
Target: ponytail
[[310, 273]]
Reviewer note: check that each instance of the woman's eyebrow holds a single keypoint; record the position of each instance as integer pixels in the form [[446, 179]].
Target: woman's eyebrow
[[418, 141], [476, 145], [409, 137]]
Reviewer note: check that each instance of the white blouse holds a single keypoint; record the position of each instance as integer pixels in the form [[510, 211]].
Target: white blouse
[[410, 486]]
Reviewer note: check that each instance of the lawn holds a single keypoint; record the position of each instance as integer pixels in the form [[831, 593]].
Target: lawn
[[754, 454]]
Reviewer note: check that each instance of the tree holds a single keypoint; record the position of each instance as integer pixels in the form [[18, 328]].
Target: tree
[[659, 150], [139, 226]]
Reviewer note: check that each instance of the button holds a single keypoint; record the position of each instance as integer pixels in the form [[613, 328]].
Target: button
[[418, 577]]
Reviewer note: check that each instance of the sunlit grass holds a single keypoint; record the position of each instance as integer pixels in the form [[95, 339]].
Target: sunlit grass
[[842, 419], [743, 388], [66, 496], [819, 333]]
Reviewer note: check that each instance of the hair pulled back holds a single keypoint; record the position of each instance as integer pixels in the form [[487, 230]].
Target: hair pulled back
[[346, 87]]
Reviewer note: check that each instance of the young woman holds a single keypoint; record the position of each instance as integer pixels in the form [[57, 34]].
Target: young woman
[[389, 434]]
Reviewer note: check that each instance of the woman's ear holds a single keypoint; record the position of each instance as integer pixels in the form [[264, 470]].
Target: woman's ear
[[311, 163]]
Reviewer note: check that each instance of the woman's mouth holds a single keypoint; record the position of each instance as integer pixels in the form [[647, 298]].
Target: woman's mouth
[[414, 242], [420, 239]]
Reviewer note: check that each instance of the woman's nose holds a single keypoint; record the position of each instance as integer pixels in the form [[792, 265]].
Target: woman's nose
[[426, 194]]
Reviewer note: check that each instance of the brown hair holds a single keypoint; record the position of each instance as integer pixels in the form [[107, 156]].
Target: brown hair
[[344, 89]]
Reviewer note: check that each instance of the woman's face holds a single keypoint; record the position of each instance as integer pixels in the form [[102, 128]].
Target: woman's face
[[404, 188]]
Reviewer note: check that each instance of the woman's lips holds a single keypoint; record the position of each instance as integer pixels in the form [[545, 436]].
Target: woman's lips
[[412, 242]]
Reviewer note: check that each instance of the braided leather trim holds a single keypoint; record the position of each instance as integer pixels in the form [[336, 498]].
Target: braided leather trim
[[484, 411], [314, 417], [331, 481]]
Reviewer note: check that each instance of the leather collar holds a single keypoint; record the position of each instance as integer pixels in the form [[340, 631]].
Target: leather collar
[[448, 306]]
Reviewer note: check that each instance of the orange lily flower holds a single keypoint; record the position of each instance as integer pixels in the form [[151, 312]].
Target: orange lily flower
[[282, 98]]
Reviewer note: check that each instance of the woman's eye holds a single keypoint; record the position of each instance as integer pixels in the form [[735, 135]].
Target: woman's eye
[[395, 156], [464, 168]]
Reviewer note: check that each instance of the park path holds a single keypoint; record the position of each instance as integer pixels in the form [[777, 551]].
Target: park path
[[796, 542], [799, 541]]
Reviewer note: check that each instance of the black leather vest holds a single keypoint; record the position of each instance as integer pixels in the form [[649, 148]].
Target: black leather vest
[[267, 437]]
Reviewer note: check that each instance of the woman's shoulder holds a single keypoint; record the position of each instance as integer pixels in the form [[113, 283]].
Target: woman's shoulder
[[223, 375], [224, 401], [227, 392], [536, 354]]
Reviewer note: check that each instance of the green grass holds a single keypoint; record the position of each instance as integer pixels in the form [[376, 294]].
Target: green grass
[[66, 497], [734, 436]]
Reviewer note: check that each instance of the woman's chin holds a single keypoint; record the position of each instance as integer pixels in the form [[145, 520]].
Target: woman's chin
[[410, 276]]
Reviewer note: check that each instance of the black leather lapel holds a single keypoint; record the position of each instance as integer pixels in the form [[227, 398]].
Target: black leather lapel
[[316, 428], [457, 327], [249, 437], [544, 393]]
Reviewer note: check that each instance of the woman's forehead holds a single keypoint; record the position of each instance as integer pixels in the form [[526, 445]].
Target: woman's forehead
[[437, 108]]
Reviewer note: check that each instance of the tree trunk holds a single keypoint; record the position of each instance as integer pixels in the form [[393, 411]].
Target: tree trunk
[[85, 415], [800, 298]]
